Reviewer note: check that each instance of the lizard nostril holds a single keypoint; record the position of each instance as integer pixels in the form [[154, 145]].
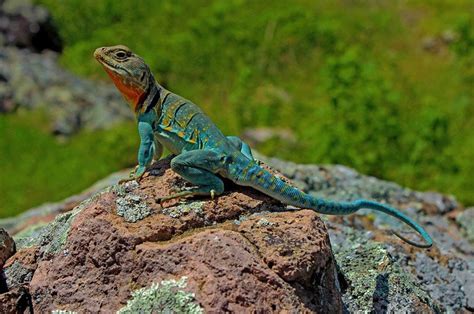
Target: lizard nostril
[[98, 52]]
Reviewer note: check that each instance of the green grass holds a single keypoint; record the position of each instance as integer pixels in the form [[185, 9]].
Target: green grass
[[350, 78], [37, 167]]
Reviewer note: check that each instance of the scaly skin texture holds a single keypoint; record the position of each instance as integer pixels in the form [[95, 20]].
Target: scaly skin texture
[[203, 154]]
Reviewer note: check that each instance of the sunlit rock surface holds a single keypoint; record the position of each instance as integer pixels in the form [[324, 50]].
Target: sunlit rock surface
[[235, 253]]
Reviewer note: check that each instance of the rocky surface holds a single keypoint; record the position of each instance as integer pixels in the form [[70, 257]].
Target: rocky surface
[[445, 272], [376, 271], [7, 247], [465, 219], [233, 252]]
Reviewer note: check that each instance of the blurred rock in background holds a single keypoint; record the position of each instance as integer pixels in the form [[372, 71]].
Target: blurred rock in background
[[31, 78], [23, 25]]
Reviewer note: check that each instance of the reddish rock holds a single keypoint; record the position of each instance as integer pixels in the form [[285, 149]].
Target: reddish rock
[[234, 261], [15, 301], [296, 247], [7, 247]]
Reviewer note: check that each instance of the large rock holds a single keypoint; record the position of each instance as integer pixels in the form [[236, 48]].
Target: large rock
[[376, 271], [227, 254]]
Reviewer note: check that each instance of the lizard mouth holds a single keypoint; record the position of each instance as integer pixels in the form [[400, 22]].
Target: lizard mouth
[[108, 63]]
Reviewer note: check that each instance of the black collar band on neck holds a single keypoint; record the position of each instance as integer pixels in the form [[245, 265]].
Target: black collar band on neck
[[153, 101]]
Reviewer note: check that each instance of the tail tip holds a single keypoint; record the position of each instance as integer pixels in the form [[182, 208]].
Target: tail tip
[[428, 241]]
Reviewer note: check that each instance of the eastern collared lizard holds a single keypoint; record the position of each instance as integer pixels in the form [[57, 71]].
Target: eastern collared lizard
[[204, 155]]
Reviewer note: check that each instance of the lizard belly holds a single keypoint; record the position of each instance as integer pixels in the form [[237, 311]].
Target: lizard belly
[[169, 143]]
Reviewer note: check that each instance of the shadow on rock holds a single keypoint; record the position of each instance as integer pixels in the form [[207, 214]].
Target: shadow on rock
[[381, 293]]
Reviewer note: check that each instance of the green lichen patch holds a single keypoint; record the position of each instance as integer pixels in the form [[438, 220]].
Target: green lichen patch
[[376, 281], [52, 236], [30, 236], [130, 206], [17, 274], [465, 221], [55, 234], [167, 296], [263, 222], [183, 209]]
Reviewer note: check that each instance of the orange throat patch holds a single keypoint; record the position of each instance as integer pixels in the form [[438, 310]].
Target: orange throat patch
[[131, 94]]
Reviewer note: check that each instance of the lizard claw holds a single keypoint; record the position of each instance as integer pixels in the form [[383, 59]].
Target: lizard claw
[[136, 174], [179, 194], [160, 201], [134, 178]]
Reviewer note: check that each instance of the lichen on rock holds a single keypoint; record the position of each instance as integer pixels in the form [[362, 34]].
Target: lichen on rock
[[130, 206], [280, 261], [17, 274], [30, 236], [51, 237], [376, 282], [183, 209], [168, 296], [264, 222], [466, 222], [448, 284]]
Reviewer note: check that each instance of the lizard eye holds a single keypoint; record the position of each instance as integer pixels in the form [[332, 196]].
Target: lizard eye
[[121, 55]]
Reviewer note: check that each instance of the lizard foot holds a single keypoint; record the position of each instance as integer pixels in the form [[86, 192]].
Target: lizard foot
[[125, 180], [133, 175], [131, 179], [186, 193]]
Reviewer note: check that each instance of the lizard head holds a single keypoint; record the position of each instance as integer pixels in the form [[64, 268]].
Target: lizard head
[[128, 71]]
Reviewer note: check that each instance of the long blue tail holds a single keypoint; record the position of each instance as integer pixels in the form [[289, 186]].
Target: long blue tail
[[397, 214], [262, 180]]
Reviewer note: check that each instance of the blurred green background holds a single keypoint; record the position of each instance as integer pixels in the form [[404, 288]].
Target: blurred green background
[[386, 87]]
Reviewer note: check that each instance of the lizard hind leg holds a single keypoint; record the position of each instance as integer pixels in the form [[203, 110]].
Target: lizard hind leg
[[197, 167], [242, 146]]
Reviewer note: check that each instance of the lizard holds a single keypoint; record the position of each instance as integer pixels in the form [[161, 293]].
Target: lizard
[[203, 154]]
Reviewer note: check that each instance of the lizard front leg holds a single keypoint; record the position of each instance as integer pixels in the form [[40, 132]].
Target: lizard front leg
[[197, 167], [145, 152]]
